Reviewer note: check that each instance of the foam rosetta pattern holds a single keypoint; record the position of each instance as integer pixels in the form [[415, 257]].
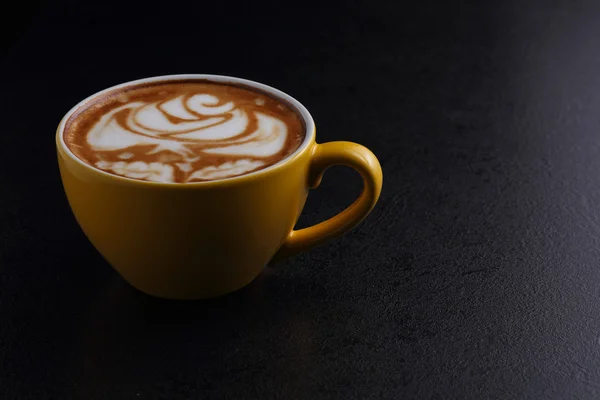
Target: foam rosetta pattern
[[184, 132], [185, 127]]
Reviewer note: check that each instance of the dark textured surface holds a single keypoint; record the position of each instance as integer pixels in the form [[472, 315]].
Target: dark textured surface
[[475, 277]]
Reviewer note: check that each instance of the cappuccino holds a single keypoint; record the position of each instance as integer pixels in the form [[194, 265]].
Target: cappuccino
[[183, 131]]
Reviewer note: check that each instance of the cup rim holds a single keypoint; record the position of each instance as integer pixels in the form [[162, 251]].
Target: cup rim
[[309, 126]]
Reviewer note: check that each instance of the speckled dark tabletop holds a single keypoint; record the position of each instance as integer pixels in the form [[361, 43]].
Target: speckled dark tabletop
[[476, 276]]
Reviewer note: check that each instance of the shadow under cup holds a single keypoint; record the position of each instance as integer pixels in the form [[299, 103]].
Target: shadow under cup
[[205, 239]]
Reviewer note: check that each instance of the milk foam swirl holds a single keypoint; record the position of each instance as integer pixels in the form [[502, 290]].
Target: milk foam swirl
[[182, 131]]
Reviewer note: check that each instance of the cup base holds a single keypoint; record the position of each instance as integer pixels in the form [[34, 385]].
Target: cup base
[[176, 294]]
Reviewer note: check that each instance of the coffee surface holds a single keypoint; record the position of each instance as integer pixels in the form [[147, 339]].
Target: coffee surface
[[183, 131]]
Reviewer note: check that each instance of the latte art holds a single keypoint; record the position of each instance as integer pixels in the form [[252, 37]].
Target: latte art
[[184, 132]]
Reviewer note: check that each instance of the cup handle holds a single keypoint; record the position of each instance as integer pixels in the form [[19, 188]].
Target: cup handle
[[324, 156]]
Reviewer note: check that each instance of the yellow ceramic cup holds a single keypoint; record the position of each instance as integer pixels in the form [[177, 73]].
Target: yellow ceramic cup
[[200, 240]]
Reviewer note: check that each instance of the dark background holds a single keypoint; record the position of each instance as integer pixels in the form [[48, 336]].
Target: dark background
[[476, 276]]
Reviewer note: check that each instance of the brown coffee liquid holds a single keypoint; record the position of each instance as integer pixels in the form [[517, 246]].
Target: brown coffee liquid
[[183, 131]]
